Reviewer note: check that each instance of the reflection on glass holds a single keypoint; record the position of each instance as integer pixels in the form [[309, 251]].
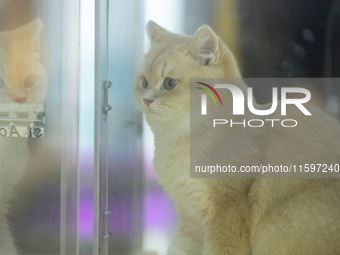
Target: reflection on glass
[[33, 84], [23, 84], [23, 81]]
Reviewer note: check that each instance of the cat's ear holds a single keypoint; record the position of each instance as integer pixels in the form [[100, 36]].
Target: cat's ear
[[28, 32], [156, 33], [204, 46]]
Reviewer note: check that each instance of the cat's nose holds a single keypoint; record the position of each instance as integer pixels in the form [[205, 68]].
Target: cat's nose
[[147, 101], [20, 100]]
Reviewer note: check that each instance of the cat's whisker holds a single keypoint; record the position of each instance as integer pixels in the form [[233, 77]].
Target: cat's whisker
[[136, 122]]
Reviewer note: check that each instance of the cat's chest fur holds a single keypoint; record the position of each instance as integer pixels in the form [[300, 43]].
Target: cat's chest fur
[[172, 168], [172, 165]]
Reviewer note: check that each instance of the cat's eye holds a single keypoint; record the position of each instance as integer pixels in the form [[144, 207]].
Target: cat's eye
[[170, 83], [145, 83], [31, 81]]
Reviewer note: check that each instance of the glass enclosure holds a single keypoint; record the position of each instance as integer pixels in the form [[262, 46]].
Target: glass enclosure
[[76, 153], [39, 116]]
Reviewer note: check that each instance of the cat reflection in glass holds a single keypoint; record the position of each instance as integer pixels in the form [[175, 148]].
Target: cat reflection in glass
[[220, 216], [22, 80]]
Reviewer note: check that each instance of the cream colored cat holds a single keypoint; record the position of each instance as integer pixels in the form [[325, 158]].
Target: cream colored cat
[[22, 80], [235, 216]]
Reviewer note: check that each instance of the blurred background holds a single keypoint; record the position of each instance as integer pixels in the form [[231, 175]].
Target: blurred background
[[89, 187]]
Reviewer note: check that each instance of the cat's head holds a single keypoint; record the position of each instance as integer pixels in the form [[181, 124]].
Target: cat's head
[[163, 84], [23, 79]]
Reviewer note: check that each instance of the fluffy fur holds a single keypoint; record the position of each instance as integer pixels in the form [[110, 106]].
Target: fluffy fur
[[22, 80], [235, 216]]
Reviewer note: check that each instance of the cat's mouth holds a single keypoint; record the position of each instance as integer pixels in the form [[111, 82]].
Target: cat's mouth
[[153, 111], [160, 110], [20, 100]]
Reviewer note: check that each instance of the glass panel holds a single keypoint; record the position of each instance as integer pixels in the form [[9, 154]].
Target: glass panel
[[88, 185], [123, 140], [39, 111], [102, 87]]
